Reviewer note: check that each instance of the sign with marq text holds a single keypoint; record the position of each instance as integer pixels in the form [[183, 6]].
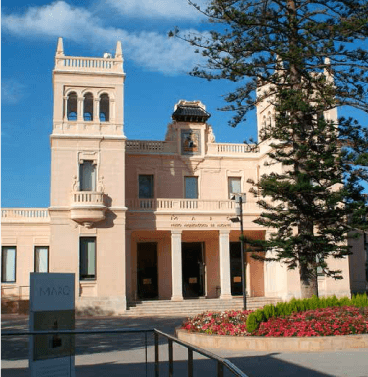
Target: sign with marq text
[[52, 307]]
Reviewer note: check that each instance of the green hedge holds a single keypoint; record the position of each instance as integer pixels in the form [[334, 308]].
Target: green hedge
[[283, 309]]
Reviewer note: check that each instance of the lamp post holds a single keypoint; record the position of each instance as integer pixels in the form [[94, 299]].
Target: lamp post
[[240, 198]]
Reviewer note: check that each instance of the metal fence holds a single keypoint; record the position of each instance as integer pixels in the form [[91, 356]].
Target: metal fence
[[222, 364]]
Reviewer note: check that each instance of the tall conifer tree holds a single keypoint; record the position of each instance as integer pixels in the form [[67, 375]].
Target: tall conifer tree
[[306, 57]]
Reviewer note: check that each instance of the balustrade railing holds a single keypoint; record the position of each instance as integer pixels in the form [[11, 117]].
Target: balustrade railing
[[88, 198], [172, 205], [27, 214], [231, 149], [157, 146], [150, 146], [145, 145], [88, 64]]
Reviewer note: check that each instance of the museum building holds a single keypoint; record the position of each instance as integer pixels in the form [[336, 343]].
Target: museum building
[[146, 220]]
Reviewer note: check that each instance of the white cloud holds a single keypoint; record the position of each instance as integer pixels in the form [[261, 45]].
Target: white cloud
[[51, 20], [152, 50], [172, 9], [11, 91]]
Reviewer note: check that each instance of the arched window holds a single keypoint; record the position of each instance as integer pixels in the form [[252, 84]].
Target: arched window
[[269, 118], [72, 106], [88, 107], [104, 108]]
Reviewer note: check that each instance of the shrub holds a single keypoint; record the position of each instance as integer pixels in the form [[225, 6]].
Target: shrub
[[360, 300], [269, 311], [252, 324], [345, 301], [285, 309]]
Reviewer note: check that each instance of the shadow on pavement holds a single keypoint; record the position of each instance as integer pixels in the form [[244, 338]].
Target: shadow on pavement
[[253, 366], [16, 348]]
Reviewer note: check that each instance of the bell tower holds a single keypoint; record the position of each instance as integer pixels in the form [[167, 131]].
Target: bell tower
[[88, 94], [87, 203]]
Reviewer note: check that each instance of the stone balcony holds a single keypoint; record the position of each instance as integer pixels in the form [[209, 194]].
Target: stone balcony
[[88, 207]]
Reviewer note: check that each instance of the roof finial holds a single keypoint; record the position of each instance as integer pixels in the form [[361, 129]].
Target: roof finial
[[60, 47], [119, 51]]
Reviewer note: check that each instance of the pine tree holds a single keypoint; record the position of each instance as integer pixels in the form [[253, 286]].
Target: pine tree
[[306, 58]]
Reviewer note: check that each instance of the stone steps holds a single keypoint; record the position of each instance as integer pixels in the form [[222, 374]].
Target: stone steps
[[194, 306]]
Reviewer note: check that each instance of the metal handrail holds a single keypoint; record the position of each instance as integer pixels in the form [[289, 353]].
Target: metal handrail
[[221, 363]]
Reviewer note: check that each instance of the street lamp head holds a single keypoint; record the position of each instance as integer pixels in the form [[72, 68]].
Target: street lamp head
[[235, 219], [238, 196]]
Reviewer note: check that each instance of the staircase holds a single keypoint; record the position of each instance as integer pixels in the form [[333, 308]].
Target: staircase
[[192, 307]]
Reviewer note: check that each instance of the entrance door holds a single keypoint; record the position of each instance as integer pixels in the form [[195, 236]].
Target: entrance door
[[147, 270], [235, 268], [193, 266]]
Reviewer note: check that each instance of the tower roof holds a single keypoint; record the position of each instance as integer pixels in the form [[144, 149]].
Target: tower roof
[[190, 111]]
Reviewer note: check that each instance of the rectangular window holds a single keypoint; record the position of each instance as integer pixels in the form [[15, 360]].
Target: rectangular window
[[41, 259], [234, 185], [87, 258], [191, 187], [145, 187], [8, 261], [87, 176]]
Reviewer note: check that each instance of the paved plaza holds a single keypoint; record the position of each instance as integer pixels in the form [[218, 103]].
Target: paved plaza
[[124, 355]]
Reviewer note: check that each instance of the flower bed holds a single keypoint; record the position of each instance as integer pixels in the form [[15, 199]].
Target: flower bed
[[230, 322], [319, 322]]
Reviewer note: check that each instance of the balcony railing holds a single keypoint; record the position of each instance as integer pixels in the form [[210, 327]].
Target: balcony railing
[[186, 205], [162, 147], [231, 149], [87, 198], [25, 214]]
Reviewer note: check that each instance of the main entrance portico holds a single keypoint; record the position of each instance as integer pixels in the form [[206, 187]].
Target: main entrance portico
[[180, 264]]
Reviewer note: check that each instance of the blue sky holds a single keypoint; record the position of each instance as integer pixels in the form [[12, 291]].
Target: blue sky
[[157, 77]]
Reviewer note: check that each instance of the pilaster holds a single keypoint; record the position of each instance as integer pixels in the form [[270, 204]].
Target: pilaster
[[176, 266], [224, 250]]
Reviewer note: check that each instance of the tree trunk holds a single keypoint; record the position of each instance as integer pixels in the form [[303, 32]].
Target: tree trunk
[[308, 280]]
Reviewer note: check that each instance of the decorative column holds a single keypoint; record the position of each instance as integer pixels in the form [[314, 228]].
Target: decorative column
[[112, 109], [80, 109], [224, 250], [96, 110], [176, 272], [65, 115]]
